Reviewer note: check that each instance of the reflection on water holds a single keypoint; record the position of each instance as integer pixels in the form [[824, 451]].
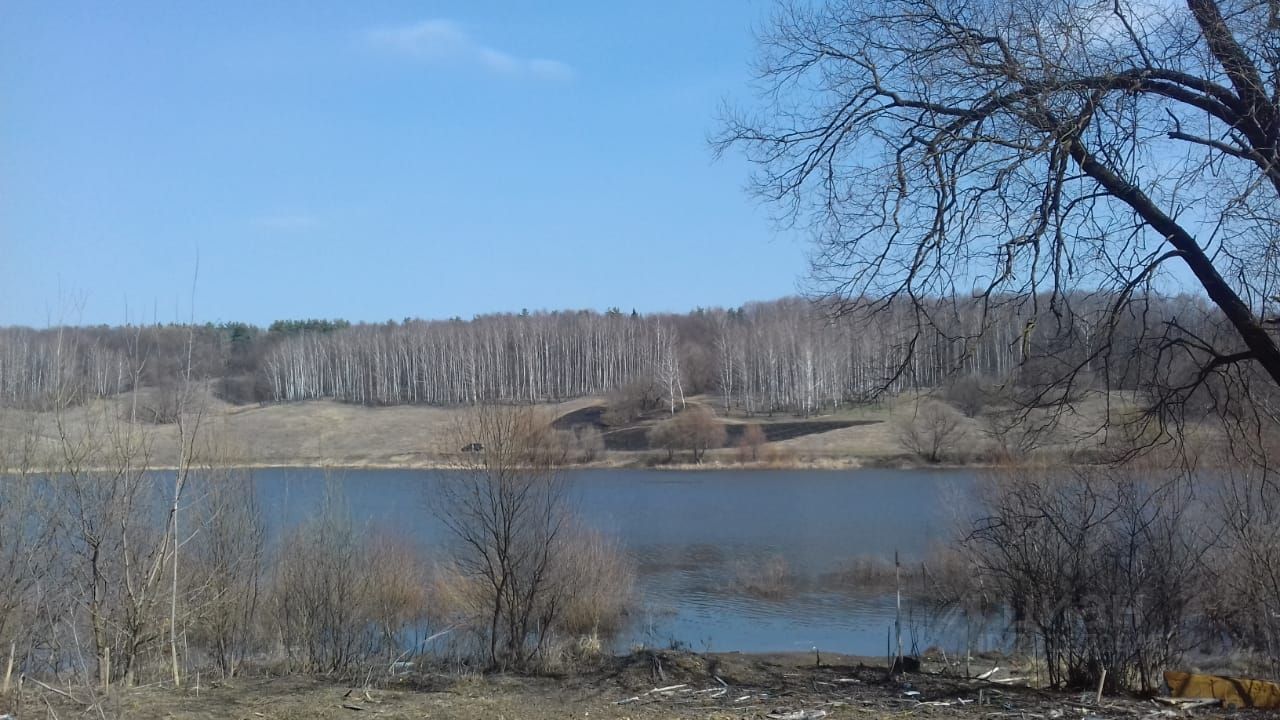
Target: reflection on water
[[726, 560]]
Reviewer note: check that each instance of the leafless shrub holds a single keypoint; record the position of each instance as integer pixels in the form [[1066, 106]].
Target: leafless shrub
[[664, 436], [582, 444], [969, 394], [162, 404], [932, 431], [321, 592], [631, 401], [701, 431], [521, 570], [696, 429], [592, 587], [105, 528], [1102, 568], [113, 538], [753, 438], [1245, 564], [224, 570], [1013, 434], [398, 599], [27, 570], [506, 512], [589, 443]]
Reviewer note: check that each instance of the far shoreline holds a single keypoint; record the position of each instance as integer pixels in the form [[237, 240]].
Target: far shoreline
[[822, 465], [329, 435]]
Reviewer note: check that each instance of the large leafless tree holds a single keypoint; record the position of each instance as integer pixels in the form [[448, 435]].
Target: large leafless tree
[[1033, 153]]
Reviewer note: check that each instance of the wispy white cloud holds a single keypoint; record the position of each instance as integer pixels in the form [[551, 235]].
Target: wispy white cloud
[[446, 42], [290, 222]]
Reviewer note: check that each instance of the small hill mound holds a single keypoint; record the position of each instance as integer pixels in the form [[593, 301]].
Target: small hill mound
[[635, 436]]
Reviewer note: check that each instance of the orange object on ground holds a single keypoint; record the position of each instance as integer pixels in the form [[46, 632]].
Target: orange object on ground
[[1232, 691]]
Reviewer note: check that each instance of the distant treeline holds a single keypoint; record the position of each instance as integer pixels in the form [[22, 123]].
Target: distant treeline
[[788, 355]]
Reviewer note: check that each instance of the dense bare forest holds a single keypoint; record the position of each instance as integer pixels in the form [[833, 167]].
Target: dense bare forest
[[788, 355]]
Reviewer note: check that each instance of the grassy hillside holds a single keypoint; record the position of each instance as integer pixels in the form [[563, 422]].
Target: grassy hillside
[[329, 433]]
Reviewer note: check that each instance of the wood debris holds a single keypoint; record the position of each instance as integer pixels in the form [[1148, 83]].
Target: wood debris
[[797, 715], [815, 694], [1188, 703]]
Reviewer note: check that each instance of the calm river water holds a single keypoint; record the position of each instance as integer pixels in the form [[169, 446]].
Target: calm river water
[[694, 535]]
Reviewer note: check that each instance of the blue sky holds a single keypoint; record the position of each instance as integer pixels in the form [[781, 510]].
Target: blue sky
[[374, 160]]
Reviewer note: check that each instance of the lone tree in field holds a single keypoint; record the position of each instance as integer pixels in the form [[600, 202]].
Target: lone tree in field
[[1038, 153], [931, 431], [700, 430], [695, 429]]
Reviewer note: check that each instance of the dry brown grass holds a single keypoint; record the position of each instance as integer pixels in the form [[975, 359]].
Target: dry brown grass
[[866, 442], [592, 589], [327, 433], [315, 433], [769, 578], [342, 597], [770, 682]]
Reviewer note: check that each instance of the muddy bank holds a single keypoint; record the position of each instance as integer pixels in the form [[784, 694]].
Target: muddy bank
[[641, 685]]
